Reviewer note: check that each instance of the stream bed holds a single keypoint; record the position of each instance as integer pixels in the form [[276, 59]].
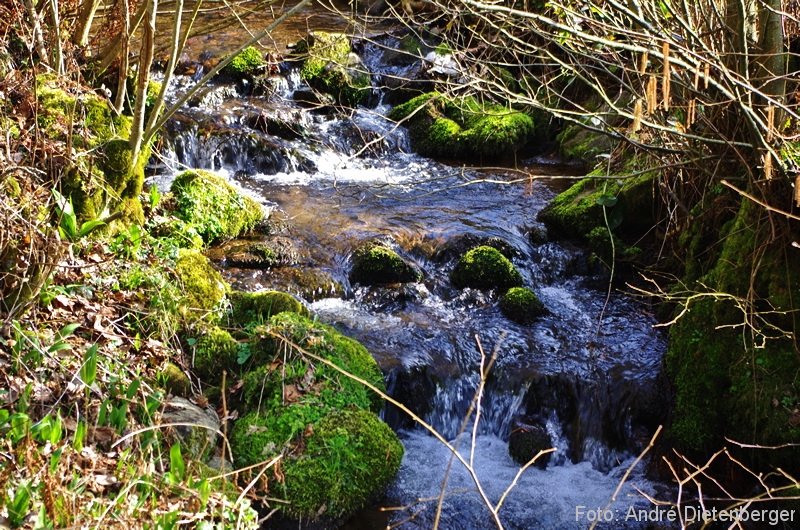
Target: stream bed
[[587, 371]]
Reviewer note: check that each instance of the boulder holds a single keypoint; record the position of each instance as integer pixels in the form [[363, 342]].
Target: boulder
[[217, 209], [485, 267], [529, 436], [375, 264], [197, 433], [521, 305]]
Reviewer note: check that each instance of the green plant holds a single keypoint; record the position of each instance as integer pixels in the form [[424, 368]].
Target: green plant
[[18, 504], [68, 221], [88, 371]]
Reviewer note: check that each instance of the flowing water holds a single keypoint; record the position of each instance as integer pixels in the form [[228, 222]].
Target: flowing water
[[587, 370]]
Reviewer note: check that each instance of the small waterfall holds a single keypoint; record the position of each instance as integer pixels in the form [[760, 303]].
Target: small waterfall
[[454, 399]]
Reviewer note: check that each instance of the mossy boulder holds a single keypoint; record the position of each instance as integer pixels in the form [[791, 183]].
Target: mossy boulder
[[340, 462], [281, 367], [259, 307], [267, 254], [463, 127], [727, 385], [330, 66], [176, 231], [247, 63], [521, 305], [628, 201], [175, 381], [215, 350], [204, 288], [106, 179], [485, 268], [375, 264], [579, 143], [213, 206]]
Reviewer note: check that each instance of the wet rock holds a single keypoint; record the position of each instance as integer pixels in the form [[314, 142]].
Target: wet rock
[[415, 388], [266, 254], [213, 96], [309, 284], [282, 125], [385, 299], [521, 305], [376, 264], [312, 99], [529, 436], [459, 245], [198, 432], [485, 268]]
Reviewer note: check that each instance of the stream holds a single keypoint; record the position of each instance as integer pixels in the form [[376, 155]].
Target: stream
[[587, 371]]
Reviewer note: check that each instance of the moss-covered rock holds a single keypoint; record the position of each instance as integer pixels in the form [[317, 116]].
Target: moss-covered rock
[[725, 384], [350, 457], [463, 128], [331, 67], [342, 459], [204, 288], [106, 179], [259, 307], [175, 381], [215, 350], [177, 231], [577, 211], [267, 254], [375, 264], [247, 63], [314, 383], [216, 209], [485, 268], [521, 305], [579, 143]]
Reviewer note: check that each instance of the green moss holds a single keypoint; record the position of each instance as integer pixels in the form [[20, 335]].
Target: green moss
[[375, 264], [521, 305], [579, 143], [442, 139], [216, 209], [324, 341], [204, 288], [105, 179], [259, 307], [576, 212], [175, 381], [350, 457], [215, 350], [485, 268], [600, 240], [403, 111], [328, 68], [177, 231], [342, 458], [463, 127], [729, 383], [247, 62]]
